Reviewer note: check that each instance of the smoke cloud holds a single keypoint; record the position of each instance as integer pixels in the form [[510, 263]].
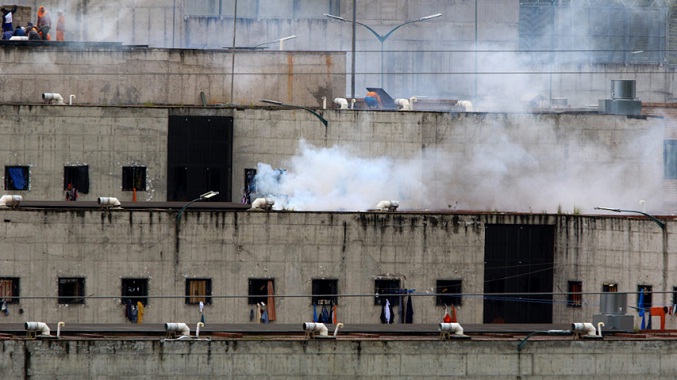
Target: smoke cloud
[[501, 173]]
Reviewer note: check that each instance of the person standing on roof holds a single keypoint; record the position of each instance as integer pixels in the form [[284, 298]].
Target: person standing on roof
[[373, 100], [7, 18], [44, 23], [60, 26]]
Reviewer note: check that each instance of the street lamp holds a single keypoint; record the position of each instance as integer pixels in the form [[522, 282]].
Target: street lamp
[[202, 197], [280, 40], [661, 224], [382, 37], [317, 115]]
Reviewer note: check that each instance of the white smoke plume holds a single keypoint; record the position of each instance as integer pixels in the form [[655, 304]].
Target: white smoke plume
[[502, 173]]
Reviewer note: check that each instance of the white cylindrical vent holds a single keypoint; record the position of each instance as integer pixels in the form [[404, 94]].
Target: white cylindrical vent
[[108, 201], [52, 97], [454, 328], [181, 328], [37, 326], [316, 327], [584, 328]]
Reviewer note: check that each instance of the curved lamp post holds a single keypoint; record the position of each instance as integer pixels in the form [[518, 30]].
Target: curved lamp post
[[280, 40], [664, 231], [202, 197], [382, 37], [317, 115]]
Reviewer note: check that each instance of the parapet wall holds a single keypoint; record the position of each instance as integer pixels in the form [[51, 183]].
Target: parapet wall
[[113, 359]]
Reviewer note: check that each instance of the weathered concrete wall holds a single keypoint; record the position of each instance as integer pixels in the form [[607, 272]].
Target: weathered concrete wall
[[39, 246], [437, 58], [111, 75], [579, 151], [125, 359]]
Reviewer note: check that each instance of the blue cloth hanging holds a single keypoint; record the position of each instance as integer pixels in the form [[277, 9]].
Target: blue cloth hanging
[[17, 175], [640, 306]]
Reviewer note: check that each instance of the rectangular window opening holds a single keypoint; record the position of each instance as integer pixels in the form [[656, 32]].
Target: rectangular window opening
[[259, 289], [17, 177], [575, 294], [71, 290], [449, 292], [325, 292], [76, 177], [134, 290], [9, 289], [249, 185], [644, 293], [609, 287], [387, 289], [198, 290], [133, 178]]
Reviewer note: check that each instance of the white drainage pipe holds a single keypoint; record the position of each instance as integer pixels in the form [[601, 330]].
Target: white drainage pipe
[[10, 200], [197, 328], [587, 329], [50, 97], [337, 327], [454, 328], [181, 328], [311, 327], [108, 202], [58, 328], [37, 326]]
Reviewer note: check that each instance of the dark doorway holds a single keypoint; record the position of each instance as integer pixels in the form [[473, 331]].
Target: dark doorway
[[518, 260], [200, 157]]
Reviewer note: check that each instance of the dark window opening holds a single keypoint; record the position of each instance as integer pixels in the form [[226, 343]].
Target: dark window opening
[[609, 287], [575, 294], [71, 290], [325, 292], [9, 289], [198, 290], [449, 292], [644, 296], [133, 178], [387, 289], [77, 177], [135, 290], [674, 295], [260, 289], [670, 159], [16, 177], [249, 185]]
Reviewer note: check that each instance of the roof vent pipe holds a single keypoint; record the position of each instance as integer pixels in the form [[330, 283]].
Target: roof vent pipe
[[623, 89], [173, 328], [585, 330], [311, 328], [32, 327], [52, 97]]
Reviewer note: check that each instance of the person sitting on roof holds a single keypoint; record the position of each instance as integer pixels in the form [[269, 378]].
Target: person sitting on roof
[[373, 100]]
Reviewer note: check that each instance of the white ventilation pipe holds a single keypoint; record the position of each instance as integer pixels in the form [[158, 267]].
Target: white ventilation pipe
[[336, 329], [181, 328], [197, 328], [324, 102], [352, 104], [587, 329], [58, 328], [317, 327], [10, 200], [412, 100], [342, 103], [108, 202], [466, 104], [265, 204], [37, 326], [70, 99], [50, 97], [454, 328], [599, 328], [403, 104], [387, 205]]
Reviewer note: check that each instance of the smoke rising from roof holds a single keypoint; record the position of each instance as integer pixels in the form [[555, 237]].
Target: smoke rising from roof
[[497, 170]]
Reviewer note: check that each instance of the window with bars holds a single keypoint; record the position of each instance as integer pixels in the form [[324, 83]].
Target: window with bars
[[77, 177], [575, 294], [324, 292], [135, 290], [259, 289], [608, 287], [387, 289], [9, 289], [644, 296], [199, 290], [449, 292], [71, 290], [133, 178]]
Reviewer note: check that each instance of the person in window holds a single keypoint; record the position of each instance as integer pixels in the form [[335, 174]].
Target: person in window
[[44, 23], [71, 193], [373, 100], [7, 19]]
